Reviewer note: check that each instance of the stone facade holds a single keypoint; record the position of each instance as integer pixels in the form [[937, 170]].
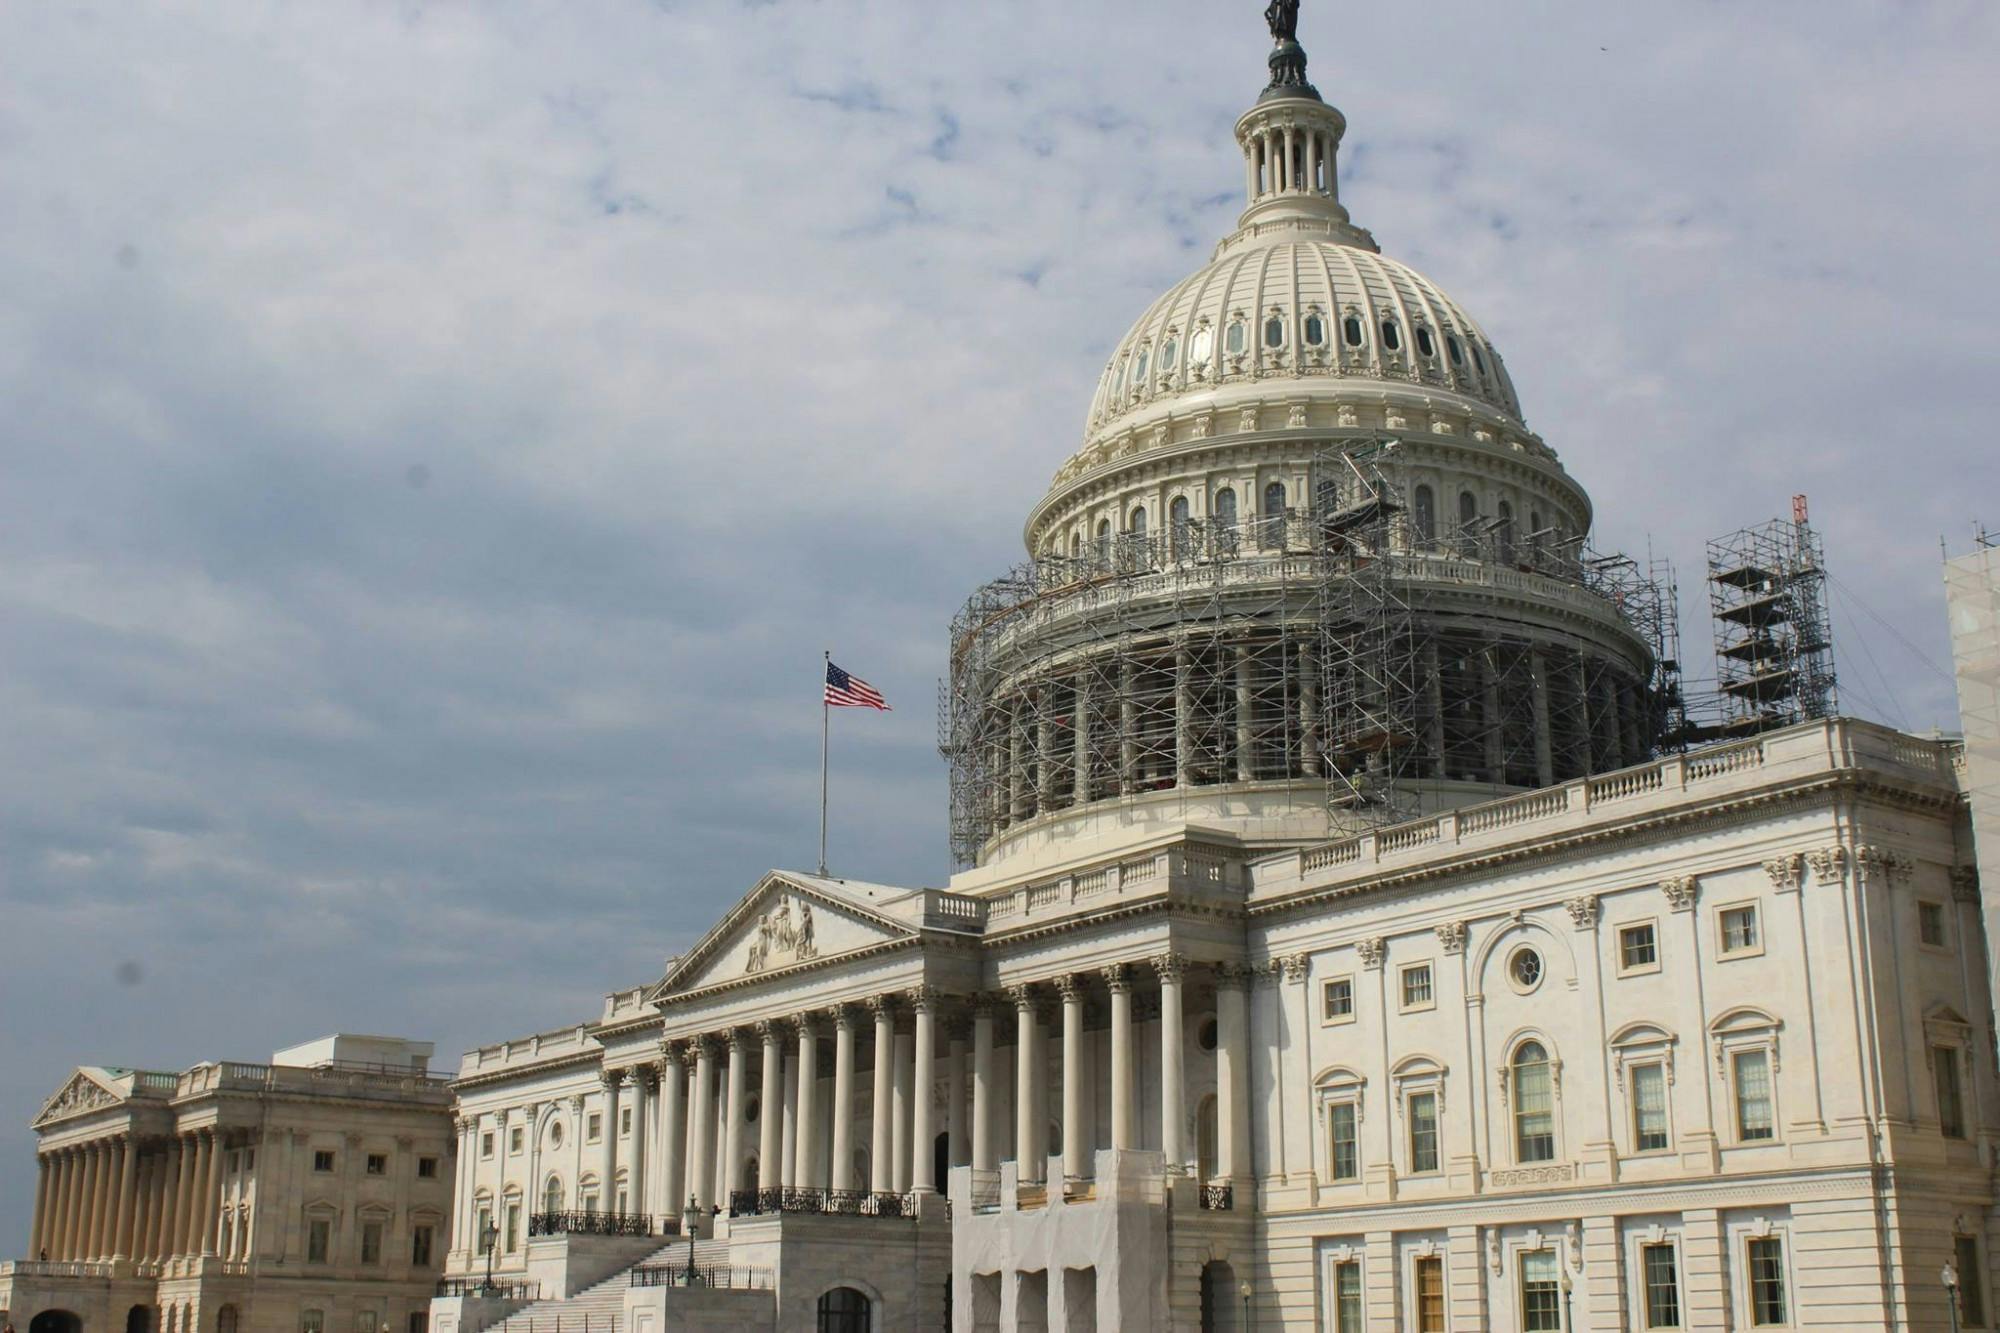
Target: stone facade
[[291, 1197]]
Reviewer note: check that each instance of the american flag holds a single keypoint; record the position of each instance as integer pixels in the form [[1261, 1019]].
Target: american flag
[[845, 691]]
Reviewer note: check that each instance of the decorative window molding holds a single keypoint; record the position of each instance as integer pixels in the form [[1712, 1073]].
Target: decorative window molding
[[1638, 947], [1739, 930]]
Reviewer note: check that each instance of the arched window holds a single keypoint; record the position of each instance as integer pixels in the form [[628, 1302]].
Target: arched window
[[1169, 350], [1392, 336], [1535, 535], [844, 1310], [1225, 506], [1468, 521], [227, 1319], [1351, 329], [1274, 514], [1503, 532], [1177, 517], [1103, 539], [1200, 346], [1139, 369], [1139, 521], [1534, 1105], [1238, 338], [1075, 545], [1424, 505], [1274, 331], [552, 1195]]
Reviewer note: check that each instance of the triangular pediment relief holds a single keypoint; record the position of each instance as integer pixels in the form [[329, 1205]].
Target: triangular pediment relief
[[782, 923], [85, 1092]]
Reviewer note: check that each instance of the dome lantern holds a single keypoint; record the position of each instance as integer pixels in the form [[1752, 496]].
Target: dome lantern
[[1291, 143]]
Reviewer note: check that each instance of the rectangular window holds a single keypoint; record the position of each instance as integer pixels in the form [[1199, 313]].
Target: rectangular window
[[485, 1225], [1649, 1108], [312, 1321], [486, 1143], [319, 1239], [371, 1242], [427, 1168], [1950, 1097], [322, 1161], [420, 1246], [513, 1227], [1430, 1294], [1767, 1282], [365, 1322], [1417, 986], [1346, 1151], [378, 1164], [624, 1120], [1753, 1096], [234, 1158], [420, 1321], [1423, 1132], [593, 1127], [1336, 999], [1930, 924], [1638, 948], [249, 1159], [515, 1141], [1534, 1112], [1347, 1297], [1971, 1292], [1739, 929], [1663, 1286], [1541, 1293]]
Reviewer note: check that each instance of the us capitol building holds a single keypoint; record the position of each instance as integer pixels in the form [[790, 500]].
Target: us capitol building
[[1340, 943]]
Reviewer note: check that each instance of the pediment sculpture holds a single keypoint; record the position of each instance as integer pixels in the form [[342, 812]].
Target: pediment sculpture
[[81, 1094], [782, 937]]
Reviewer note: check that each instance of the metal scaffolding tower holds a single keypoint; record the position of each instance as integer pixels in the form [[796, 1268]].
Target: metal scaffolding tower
[[1773, 642]]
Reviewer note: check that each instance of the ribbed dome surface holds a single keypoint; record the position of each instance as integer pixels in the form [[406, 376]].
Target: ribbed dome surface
[[1304, 308]]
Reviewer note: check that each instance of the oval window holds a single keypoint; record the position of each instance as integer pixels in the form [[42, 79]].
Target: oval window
[[1168, 351], [1315, 331], [1392, 337], [555, 1134], [1274, 332], [1206, 1035], [1424, 342], [1351, 327], [1200, 346], [1453, 350], [1525, 967], [1237, 338]]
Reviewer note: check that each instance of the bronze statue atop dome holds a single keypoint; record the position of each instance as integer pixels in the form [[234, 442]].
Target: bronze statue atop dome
[[1283, 16], [1288, 58]]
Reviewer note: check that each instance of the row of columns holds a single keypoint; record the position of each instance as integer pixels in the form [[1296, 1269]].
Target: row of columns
[[1291, 159], [106, 1201]]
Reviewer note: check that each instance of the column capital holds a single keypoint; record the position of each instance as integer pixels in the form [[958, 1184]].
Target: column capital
[[773, 1030], [1024, 997], [883, 1006], [1297, 967], [845, 1016], [1118, 977], [807, 1022], [925, 999], [1233, 976], [646, 1078], [673, 1051], [1169, 966], [983, 1004], [738, 1039], [1072, 987], [702, 1046], [611, 1078]]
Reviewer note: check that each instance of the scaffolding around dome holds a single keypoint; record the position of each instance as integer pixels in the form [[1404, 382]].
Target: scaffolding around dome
[[1303, 654]]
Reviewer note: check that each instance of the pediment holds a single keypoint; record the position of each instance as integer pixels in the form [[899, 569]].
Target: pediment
[[784, 922], [86, 1091]]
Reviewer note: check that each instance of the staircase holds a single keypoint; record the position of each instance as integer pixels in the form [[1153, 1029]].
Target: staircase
[[601, 1309]]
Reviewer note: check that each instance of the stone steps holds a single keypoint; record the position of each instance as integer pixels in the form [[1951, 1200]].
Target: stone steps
[[601, 1308]]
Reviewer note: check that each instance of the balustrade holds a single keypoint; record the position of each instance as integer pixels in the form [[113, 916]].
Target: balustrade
[[590, 1223], [830, 1202]]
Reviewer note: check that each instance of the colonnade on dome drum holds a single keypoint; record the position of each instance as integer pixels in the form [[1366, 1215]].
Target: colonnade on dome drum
[[1334, 650]]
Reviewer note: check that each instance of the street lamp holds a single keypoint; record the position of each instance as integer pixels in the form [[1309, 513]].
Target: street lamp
[[690, 1219], [1950, 1278], [1567, 1321], [488, 1239], [1244, 1289]]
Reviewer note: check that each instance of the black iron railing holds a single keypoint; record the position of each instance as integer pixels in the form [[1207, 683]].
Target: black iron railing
[[836, 1203], [491, 1291], [676, 1275], [598, 1224], [1218, 1198]]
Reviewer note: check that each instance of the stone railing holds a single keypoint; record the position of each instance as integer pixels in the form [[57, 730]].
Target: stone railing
[[589, 1223], [944, 910], [1207, 868], [53, 1268], [825, 1202], [541, 1046], [1831, 745]]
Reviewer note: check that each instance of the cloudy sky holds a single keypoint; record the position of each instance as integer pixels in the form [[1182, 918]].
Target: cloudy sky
[[439, 439]]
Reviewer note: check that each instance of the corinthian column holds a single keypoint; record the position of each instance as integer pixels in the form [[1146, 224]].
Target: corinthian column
[[673, 1133], [1026, 1084], [702, 1180], [1169, 968], [771, 1119], [612, 1079], [880, 1154], [808, 1121], [37, 1241], [1120, 979], [983, 1156], [732, 1124], [842, 1176], [923, 1161], [65, 1211], [211, 1188], [642, 1085], [128, 1198], [1232, 1071], [1076, 1162], [86, 1225]]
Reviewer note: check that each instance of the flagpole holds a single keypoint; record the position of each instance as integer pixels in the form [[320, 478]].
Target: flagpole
[[825, 666]]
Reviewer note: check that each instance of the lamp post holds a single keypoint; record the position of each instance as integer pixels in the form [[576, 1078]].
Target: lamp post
[[1243, 1289], [690, 1219], [488, 1239], [1568, 1322], [1950, 1278]]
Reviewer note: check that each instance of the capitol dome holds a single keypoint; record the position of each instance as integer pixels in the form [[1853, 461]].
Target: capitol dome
[[1310, 569]]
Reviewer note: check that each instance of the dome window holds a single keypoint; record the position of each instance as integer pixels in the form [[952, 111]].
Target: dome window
[[1239, 338], [1169, 350], [1392, 337], [1177, 514], [1104, 539], [1201, 346], [1478, 361], [1139, 521], [1274, 331], [1425, 343], [1139, 368], [1225, 507], [1424, 506], [1454, 350], [1315, 331], [1351, 329]]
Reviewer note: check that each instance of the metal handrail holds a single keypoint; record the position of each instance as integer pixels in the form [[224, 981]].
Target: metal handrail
[[1218, 1198], [590, 1223], [838, 1203], [720, 1276], [493, 1291]]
